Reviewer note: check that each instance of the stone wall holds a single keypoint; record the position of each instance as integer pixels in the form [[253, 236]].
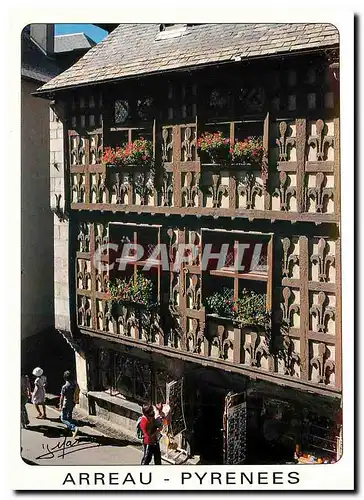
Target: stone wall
[[61, 227], [36, 216]]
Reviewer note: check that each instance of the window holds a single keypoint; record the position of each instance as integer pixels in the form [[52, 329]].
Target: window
[[236, 261], [137, 252]]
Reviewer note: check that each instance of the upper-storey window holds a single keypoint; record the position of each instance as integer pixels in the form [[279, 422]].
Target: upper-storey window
[[121, 111]]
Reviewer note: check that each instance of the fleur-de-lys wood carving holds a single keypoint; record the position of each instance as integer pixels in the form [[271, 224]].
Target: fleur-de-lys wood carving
[[102, 235], [167, 189], [74, 157], [120, 187], [188, 144], [98, 188], [83, 275], [81, 150], [127, 320], [166, 145], [174, 290], [323, 260], [217, 190], [191, 188], [288, 258], [256, 349], [104, 316], [194, 292], [319, 193], [222, 342], [322, 311], [288, 307], [290, 357], [84, 237], [319, 141], [195, 239], [95, 141], [156, 330], [79, 188], [284, 191], [250, 188], [194, 337], [283, 142], [101, 281], [84, 312], [324, 365], [172, 245], [143, 184]]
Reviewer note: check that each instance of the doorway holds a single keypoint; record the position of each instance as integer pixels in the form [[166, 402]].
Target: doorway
[[208, 434]]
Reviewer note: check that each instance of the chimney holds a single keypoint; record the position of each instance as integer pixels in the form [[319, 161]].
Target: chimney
[[43, 36]]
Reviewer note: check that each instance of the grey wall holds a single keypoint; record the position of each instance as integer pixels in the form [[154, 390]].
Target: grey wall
[[36, 216], [61, 228]]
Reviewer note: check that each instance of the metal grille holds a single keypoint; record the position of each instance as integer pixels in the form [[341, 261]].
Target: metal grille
[[236, 419], [121, 111]]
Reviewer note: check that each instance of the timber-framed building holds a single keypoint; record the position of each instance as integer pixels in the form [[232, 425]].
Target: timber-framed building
[[170, 84]]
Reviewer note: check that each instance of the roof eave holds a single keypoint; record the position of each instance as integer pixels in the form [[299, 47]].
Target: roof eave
[[44, 93]]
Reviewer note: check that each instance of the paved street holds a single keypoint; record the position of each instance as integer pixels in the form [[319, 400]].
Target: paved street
[[47, 442]]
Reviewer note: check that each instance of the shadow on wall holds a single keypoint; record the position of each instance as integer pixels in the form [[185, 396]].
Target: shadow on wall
[[52, 353]]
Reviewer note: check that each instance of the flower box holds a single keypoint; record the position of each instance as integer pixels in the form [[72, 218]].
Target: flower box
[[134, 154], [136, 292], [214, 147]]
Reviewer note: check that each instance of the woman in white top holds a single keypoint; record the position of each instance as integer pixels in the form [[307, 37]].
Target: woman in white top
[[38, 395]]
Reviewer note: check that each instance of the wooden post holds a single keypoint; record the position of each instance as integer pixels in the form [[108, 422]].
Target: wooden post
[[304, 307], [301, 160]]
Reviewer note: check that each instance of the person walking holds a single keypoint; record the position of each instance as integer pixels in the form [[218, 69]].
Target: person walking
[[69, 397], [38, 395], [25, 394], [150, 428]]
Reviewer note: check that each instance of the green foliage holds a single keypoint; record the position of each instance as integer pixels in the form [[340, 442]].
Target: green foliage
[[138, 290], [250, 309], [222, 303]]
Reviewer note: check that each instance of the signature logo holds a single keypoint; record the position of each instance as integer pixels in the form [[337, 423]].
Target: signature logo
[[65, 447]]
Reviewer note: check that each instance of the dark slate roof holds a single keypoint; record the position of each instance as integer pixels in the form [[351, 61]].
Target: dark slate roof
[[132, 49], [35, 65], [74, 41]]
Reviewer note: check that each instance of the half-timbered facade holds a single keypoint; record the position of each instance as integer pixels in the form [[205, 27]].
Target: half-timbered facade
[[170, 84]]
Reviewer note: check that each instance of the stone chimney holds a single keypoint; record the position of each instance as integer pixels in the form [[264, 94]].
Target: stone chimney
[[43, 36]]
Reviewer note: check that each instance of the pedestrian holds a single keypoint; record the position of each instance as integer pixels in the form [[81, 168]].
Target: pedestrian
[[38, 395], [69, 395], [25, 394], [150, 428]]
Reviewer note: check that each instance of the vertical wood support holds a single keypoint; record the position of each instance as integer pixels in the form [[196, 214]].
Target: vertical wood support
[[269, 290], [301, 159], [304, 307], [270, 268], [93, 277], [176, 165], [237, 346], [267, 198], [337, 182], [232, 176], [338, 321], [182, 290]]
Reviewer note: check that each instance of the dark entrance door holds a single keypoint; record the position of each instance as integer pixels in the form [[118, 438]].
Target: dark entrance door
[[208, 434]]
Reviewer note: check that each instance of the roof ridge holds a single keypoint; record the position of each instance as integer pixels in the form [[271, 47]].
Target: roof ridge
[[71, 34]]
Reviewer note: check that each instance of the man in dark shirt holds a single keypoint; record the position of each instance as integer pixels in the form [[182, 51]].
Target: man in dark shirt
[[67, 402], [150, 428]]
